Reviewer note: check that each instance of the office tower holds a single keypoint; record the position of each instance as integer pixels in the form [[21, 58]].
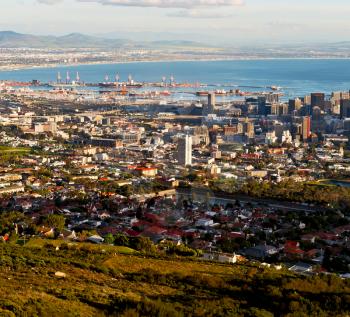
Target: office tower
[[279, 129], [305, 111], [294, 105], [262, 105], [248, 128], [283, 109], [317, 99], [211, 100], [210, 107], [338, 95], [306, 100], [345, 108], [279, 109], [272, 98], [345, 95], [316, 113], [306, 128], [185, 150], [296, 129], [327, 108]]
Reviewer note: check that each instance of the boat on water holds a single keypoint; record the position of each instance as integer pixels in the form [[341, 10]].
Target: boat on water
[[115, 85], [108, 85], [202, 93], [221, 92], [134, 85], [62, 85], [275, 88]]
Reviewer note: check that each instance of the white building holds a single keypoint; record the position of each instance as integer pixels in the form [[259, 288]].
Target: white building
[[287, 137], [270, 137], [185, 150]]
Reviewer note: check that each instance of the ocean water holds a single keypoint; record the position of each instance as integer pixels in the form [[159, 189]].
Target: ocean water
[[296, 77]]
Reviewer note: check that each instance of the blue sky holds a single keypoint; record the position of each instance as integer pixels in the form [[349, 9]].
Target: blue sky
[[224, 21]]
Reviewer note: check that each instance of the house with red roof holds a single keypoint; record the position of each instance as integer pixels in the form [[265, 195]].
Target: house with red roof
[[292, 250]]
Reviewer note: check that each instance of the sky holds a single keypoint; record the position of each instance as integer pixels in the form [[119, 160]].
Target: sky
[[218, 21]]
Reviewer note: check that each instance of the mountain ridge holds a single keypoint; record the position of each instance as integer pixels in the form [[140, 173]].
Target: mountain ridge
[[11, 39]]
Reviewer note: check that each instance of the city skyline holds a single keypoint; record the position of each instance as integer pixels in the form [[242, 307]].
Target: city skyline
[[232, 22]]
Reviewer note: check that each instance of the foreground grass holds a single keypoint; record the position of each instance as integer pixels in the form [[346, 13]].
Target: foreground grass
[[101, 282], [41, 243], [8, 149], [8, 153]]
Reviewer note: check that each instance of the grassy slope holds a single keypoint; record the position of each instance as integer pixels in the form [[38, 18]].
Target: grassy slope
[[6, 151], [102, 282]]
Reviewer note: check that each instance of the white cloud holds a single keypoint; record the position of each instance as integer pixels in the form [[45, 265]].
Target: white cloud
[[199, 14], [50, 1], [168, 3]]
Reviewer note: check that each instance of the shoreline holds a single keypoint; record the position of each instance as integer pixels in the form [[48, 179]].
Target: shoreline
[[48, 66]]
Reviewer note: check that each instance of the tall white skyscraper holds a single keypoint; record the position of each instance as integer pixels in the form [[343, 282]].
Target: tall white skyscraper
[[184, 150]]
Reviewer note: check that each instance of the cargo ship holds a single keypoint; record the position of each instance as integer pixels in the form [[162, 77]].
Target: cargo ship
[[108, 85], [221, 92], [62, 85], [116, 85], [202, 93]]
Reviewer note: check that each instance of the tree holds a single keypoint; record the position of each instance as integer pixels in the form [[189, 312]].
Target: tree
[[8, 219], [143, 244], [121, 239], [55, 221], [109, 239]]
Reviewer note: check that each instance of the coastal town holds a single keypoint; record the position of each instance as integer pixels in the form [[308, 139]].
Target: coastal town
[[172, 158], [227, 175]]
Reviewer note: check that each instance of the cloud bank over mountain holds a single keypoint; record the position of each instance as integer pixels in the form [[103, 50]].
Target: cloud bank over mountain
[[159, 3]]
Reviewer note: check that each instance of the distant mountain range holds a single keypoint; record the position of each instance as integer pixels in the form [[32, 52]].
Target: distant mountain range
[[10, 39]]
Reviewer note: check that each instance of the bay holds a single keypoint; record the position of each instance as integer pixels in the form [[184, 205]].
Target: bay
[[297, 77]]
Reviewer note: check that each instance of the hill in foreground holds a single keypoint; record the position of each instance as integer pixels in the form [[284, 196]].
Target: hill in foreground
[[86, 280]]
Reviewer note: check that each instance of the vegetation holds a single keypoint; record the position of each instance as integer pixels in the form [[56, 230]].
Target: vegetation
[[9, 155], [334, 196], [55, 221], [99, 282], [8, 149]]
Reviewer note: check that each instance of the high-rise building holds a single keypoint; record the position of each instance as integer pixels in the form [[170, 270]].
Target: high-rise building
[[272, 98], [306, 128], [184, 150], [279, 129], [306, 100], [262, 105], [211, 100], [345, 108], [248, 128], [338, 95], [210, 107], [317, 100], [294, 105], [279, 109], [316, 113]]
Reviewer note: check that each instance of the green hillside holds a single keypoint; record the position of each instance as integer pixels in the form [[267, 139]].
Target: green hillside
[[103, 281]]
